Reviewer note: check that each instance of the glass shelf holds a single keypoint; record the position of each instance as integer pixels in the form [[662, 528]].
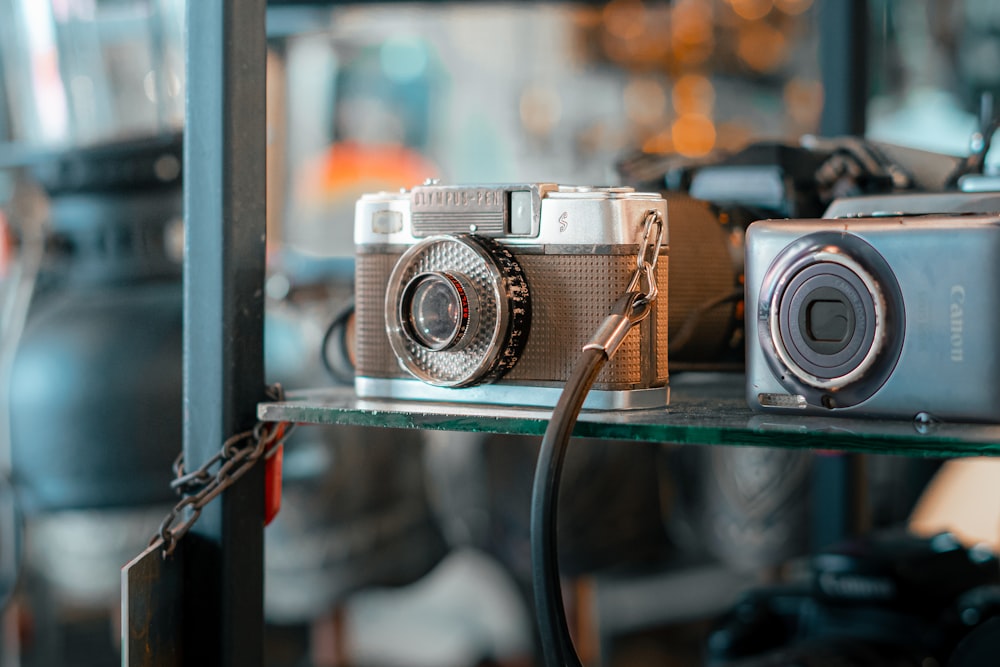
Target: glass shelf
[[705, 409]]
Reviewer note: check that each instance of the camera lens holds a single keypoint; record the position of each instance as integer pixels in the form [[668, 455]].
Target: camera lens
[[827, 320], [831, 319], [435, 310], [457, 311]]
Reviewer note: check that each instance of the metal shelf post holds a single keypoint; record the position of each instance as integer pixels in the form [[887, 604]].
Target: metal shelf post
[[224, 204]]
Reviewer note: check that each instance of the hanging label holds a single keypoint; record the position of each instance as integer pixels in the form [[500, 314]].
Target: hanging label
[[151, 608]]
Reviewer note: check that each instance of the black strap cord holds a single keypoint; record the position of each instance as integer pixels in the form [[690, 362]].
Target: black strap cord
[[557, 645], [634, 306]]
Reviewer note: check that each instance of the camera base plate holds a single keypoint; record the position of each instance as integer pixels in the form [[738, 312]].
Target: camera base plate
[[509, 394]]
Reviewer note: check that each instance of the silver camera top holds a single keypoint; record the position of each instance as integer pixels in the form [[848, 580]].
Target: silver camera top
[[518, 214], [890, 205]]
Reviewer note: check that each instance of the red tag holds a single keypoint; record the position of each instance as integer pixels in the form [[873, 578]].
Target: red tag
[[272, 476], [6, 245]]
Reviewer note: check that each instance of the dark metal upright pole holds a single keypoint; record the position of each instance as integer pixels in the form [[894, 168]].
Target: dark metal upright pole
[[840, 499], [224, 203], [843, 57]]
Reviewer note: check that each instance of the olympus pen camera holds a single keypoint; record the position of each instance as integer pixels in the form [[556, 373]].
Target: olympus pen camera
[[487, 294], [885, 317]]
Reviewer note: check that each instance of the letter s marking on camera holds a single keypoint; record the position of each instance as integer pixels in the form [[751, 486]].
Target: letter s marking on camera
[[563, 221], [957, 316]]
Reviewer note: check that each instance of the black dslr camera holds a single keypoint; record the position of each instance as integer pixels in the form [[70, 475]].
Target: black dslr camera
[[890, 600]]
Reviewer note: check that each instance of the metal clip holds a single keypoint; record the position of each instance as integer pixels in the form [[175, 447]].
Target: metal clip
[[652, 241]]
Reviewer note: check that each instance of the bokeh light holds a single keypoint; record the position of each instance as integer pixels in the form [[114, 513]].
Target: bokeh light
[[645, 101], [540, 109], [661, 142], [762, 47], [625, 19], [691, 32], [752, 10], [693, 134], [693, 93], [804, 102]]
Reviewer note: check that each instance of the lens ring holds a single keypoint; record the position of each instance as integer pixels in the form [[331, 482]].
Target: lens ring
[[789, 341], [493, 336], [862, 297]]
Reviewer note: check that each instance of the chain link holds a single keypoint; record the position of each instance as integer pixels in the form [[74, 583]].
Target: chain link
[[652, 240], [642, 288], [237, 456], [637, 302]]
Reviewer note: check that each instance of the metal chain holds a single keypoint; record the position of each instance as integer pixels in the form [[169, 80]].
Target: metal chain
[[238, 455], [646, 259], [637, 302]]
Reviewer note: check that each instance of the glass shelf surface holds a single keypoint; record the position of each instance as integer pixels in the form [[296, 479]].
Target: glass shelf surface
[[705, 409]]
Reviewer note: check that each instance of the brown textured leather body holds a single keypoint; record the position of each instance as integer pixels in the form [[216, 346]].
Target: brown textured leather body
[[570, 296]]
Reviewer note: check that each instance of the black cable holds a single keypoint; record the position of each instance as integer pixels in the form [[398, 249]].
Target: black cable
[[690, 325], [340, 367], [557, 645]]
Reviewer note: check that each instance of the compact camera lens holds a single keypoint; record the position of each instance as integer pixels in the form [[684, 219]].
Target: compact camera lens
[[827, 319], [830, 319], [435, 310]]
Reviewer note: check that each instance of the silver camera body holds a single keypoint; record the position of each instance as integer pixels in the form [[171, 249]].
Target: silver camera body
[[487, 294], [877, 317]]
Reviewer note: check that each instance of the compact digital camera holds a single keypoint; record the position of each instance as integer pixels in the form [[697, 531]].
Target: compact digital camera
[[883, 317], [487, 294]]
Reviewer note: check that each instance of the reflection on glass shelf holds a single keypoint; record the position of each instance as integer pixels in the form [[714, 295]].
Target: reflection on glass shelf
[[706, 409]]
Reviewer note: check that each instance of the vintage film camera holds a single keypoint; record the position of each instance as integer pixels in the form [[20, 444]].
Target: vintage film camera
[[487, 294], [889, 599], [893, 315]]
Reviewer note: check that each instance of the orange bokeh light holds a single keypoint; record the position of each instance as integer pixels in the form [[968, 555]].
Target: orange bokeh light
[[693, 93], [762, 47], [752, 10], [625, 19], [661, 142], [693, 134]]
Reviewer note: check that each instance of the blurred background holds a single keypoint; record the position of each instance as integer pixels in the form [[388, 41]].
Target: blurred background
[[406, 548]]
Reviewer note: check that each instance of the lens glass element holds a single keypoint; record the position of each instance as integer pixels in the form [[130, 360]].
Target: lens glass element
[[436, 310], [826, 321]]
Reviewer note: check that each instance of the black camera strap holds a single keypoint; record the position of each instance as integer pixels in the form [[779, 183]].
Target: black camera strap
[[633, 307]]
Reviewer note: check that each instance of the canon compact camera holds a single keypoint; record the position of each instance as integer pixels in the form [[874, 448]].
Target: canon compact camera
[[487, 294], [894, 316]]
